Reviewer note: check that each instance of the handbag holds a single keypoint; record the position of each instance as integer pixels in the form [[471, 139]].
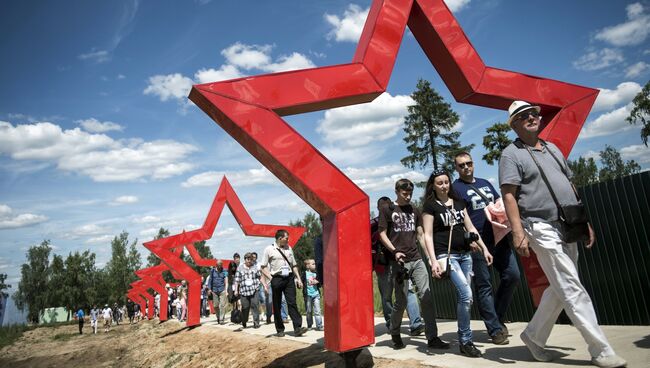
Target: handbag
[[495, 212], [444, 261], [296, 277], [575, 225]]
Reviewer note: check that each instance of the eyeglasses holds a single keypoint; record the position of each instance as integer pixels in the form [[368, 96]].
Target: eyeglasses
[[524, 115], [463, 165], [408, 186]]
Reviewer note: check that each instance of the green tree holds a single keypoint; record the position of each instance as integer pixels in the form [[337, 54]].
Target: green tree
[[641, 112], [152, 259], [429, 131], [121, 267], [35, 274], [3, 286], [304, 248], [584, 171], [495, 141], [613, 166], [55, 291], [78, 282]]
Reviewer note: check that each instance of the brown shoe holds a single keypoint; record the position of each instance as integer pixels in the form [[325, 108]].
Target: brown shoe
[[500, 338]]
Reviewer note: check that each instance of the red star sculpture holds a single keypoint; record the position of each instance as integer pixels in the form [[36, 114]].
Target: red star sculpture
[[249, 109], [163, 247]]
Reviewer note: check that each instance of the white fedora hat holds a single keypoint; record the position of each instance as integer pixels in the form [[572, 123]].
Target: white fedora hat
[[519, 106]]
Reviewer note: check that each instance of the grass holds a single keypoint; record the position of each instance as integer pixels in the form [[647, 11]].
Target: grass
[[9, 334]]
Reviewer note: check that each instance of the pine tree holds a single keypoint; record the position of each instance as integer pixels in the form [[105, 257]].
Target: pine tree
[[429, 131], [495, 142]]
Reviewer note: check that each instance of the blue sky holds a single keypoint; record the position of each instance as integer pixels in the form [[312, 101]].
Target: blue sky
[[97, 136]]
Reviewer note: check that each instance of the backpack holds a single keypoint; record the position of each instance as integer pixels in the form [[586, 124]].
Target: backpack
[[235, 316]]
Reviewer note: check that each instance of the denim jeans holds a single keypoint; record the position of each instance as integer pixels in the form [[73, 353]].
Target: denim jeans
[[385, 285], [493, 308], [418, 274], [461, 277], [312, 307]]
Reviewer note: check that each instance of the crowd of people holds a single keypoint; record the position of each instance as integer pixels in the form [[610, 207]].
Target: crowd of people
[[109, 315], [450, 237], [457, 242]]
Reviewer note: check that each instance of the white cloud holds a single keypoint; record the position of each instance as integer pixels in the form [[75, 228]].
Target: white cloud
[[343, 156], [89, 229], [612, 122], [247, 56], [172, 86], [294, 61], [623, 94], [121, 76], [638, 152], [358, 125], [127, 199], [381, 177], [637, 69], [95, 155], [596, 60], [349, 26], [212, 75], [93, 125], [631, 33], [146, 220], [8, 220], [456, 5], [100, 239], [149, 233], [238, 57], [237, 178], [98, 56]]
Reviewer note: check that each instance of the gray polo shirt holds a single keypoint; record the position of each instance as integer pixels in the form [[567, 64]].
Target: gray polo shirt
[[274, 260], [516, 167]]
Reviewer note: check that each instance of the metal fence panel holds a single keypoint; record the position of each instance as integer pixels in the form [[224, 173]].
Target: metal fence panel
[[615, 271]]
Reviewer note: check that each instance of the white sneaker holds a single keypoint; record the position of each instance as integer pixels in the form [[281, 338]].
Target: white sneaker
[[539, 353], [611, 361]]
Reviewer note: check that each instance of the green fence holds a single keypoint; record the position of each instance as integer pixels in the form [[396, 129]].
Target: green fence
[[615, 272]]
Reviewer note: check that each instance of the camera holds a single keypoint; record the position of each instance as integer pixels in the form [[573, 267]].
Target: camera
[[469, 238], [401, 273]]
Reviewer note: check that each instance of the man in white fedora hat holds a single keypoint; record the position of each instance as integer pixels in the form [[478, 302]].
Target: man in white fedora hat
[[537, 192]]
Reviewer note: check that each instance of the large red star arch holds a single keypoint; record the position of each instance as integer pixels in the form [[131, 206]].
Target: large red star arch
[[250, 110], [167, 248]]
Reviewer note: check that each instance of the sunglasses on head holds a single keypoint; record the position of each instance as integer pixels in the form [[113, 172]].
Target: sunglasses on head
[[463, 165], [524, 115], [405, 186]]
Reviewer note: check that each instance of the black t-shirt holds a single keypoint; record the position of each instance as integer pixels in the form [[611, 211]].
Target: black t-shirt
[[443, 217], [401, 223]]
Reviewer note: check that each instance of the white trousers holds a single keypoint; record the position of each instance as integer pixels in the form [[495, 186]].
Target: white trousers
[[559, 261]]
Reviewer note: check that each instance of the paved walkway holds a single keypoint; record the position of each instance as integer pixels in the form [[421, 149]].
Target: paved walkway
[[630, 342]]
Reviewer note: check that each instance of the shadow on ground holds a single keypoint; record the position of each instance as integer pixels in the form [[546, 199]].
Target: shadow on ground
[[314, 354]]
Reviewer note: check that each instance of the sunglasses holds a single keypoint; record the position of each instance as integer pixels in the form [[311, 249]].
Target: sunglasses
[[405, 186], [524, 115], [463, 165]]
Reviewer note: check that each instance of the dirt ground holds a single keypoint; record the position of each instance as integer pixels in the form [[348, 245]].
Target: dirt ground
[[170, 344]]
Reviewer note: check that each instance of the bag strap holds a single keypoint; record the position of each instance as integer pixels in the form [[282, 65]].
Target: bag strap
[[562, 167], [545, 179], [485, 198], [286, 259], [283, 256]]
